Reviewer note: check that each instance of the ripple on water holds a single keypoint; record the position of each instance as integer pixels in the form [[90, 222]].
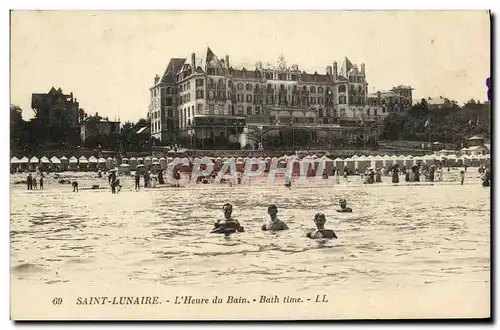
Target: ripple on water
[[162, 236]]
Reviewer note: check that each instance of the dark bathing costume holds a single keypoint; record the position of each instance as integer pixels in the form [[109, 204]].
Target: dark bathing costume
[[225, 226], [321, 233]]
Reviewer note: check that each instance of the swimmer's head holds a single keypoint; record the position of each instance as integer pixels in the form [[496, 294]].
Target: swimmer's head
[[228, 210], [272, 210], [319, 220], [343, 203]]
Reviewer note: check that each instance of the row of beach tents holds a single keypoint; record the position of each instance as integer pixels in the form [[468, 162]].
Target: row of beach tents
[[355, 162]]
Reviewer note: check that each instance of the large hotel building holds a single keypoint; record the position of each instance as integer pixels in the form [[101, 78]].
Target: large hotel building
[[205, 102]]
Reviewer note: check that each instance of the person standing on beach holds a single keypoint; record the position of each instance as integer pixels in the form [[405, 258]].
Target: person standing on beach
[[462, 177], [41, 183], [137, 180], [275, 224], [29, 181], [34, 181]]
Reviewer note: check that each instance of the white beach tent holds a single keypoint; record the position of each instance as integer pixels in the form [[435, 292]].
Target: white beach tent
[[110, 163], [83, 160], [154, 160], [338, 163], [148, 161], [140, 160], [133, 163], [124, 160], [362, 163], [14, 160], [387, 161], [408, 161], [101, 162], [44, 160], [55, 160], [349, 163], [24, 160], [377, 161], [92, 160], [163, 163], [428, 160], [34, 160], [73, 163], [398, 160]]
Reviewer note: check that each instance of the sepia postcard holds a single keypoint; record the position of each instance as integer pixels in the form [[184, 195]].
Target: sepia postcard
[[250, 165]]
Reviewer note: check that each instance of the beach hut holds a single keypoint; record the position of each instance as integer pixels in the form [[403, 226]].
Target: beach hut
[[110, 163], [148, 161], [124, 169], [83, 163], [56, 163], [338, 163], [92, 162], [399, 160], [73, 163], [362, 163], [133, 163], [354, 157], [350, 164], [24, 163], [64, 163], [140, 160], [101, 163], [125, 160], [163, 163], [328, 164], [377, 161], [408, 161], [14, 164], [428, 160], [155, 160], [34, 161], [387, 162]]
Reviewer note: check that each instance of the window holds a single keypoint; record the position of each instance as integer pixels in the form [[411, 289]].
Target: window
[[170, 113], [240, 110], [313, 89], [249, 111], [342, 89], [375, 112], [199, 94], [249, 98], [328, 113], [312, 100], [294, 77], [199, 82], [240, 97], [248, 87], [342, 99], [199, 108], [257, 110], [188, 85], [169, 90], [342, 112], [211, 109], [320, 100], [321, 112], [320, 89], [304, 88], [269, 75], [239, 86], [368, 112], [168, 101], [210, 82]]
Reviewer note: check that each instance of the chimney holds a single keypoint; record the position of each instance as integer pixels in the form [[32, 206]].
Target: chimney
[[334, 71], [329, 70], [157, 78], [193, 61], [363, 68], [227, 61]]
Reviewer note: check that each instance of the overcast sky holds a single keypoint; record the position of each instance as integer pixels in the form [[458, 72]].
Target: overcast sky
[[108, 59]]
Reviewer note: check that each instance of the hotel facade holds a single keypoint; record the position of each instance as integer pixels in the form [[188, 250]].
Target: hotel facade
[[205, 102]]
